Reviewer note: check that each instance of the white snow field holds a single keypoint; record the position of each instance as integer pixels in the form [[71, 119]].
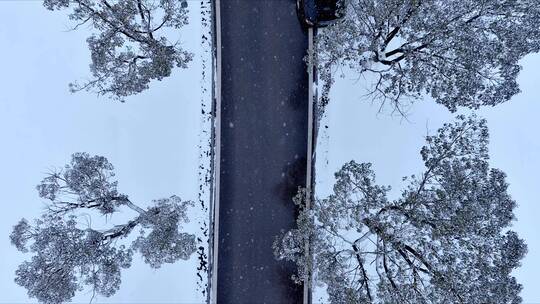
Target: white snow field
[[158, 141], [354, 128]]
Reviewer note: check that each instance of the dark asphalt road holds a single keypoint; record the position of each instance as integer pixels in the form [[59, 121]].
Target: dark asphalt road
[[263, 146]]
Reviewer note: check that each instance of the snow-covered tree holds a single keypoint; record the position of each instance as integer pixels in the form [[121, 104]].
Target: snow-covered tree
[[69, 255], [446, 239], [130, 45], [459, 52]]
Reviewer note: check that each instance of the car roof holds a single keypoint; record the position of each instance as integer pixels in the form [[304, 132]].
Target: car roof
[[327, 9]]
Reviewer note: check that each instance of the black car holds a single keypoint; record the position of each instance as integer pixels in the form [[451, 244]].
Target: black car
[[320, 13]]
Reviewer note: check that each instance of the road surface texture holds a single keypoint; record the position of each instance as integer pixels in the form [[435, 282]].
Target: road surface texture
[[264, 119]]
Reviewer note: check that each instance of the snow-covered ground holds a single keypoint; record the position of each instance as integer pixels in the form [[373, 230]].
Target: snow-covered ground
[[157, 141], [354, 129]]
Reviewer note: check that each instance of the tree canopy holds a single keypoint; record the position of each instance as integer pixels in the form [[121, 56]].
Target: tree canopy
[[446, 239], [459, 52], [130, 45], [69, 254]]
